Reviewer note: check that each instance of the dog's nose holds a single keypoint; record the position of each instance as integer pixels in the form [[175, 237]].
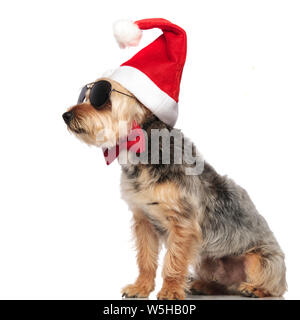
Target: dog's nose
[[68, 116]]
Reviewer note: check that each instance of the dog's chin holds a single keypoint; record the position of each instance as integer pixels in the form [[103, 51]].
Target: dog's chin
[[80, 131], [90, 139], [77, 131]]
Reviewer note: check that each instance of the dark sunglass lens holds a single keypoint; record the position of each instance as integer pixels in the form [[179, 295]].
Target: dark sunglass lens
[[100, 93], [82, 95]]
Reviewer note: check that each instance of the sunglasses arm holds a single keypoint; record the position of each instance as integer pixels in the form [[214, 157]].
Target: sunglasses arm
[[125, 94]]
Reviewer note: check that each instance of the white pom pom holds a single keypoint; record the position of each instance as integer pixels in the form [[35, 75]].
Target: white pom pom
[[127, 33]]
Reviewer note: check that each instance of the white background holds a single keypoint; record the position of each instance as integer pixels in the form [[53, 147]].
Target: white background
[[64, 231]]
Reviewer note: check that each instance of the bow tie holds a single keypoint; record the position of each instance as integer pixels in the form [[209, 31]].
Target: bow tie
[[133, 142]]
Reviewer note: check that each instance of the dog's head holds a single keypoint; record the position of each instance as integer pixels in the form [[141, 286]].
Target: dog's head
[[101, 126]]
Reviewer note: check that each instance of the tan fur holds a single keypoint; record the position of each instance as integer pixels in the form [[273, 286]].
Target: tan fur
[[253, 266], [168, 196], [255, 274], [182, 245], [147, 245]]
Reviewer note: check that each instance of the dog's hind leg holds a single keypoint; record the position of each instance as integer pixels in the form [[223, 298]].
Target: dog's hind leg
[[265, 275]]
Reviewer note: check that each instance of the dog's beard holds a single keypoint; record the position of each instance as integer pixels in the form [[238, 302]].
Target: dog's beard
[[75, 126], [105, 138]]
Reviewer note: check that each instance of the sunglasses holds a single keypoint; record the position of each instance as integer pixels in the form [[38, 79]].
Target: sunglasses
[[100, 92]]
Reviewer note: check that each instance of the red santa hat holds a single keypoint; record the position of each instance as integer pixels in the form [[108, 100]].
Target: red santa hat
[[153, 75]]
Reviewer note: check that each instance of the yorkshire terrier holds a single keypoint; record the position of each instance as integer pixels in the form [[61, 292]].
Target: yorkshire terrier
[[205, 220]]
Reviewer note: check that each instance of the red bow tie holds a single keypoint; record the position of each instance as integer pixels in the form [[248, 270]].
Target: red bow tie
[[135, 142]]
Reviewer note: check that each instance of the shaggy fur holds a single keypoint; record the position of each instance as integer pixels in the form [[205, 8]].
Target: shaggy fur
[[206, 221]]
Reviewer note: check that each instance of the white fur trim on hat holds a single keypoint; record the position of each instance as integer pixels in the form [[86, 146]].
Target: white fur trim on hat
[[148, 93], [127, 33]]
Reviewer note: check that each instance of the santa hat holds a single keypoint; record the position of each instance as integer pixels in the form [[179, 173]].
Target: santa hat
[[153, 75]]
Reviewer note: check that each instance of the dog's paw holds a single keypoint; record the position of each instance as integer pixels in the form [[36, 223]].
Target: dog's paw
[[194, 287], [248, 290], [171, 294], [137, 290]]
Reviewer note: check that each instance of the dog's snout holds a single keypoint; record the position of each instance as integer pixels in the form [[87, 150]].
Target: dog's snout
[[67, 116]]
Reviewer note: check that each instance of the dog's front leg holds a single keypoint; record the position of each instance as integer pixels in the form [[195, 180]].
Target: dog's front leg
[[147, 245], [181, 250]]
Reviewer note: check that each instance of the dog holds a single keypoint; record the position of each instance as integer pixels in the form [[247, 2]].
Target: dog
[[205, 220]]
